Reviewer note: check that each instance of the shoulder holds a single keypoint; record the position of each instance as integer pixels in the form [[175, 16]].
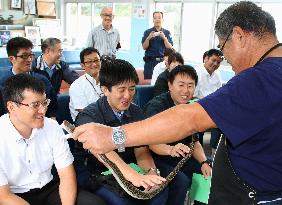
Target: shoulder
[[157, 104], [5, 74], [64, 65], [77, 83]]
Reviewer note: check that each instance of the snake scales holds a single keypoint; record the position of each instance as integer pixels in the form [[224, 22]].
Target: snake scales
[[127, 185]]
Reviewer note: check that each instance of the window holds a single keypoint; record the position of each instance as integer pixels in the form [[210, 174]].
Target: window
[[82, 17]]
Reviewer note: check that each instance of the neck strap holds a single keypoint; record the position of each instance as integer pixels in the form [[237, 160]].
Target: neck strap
[[267, 52]]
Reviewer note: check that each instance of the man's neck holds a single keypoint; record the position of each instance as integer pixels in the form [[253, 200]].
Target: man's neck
[[48, 62], [107, 28], [158, 28], [24, 131], [17, 71]]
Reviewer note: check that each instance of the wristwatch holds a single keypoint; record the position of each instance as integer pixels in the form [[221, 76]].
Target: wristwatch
[[119, 137]]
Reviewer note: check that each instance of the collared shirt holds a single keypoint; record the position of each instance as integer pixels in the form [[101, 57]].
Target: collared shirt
[[49, 70], [105, 41], [83, 91], [101, 112], [207, 83], [248, 111], [158, 69], [26, 163], [156, 45]]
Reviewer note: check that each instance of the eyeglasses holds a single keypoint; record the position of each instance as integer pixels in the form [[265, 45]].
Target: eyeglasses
[[36, 105], [108, 15], [26, 56], [227, 38], [92, 61]]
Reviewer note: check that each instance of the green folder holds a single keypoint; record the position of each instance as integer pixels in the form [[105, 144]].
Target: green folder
[[132, 165], [200, 188]]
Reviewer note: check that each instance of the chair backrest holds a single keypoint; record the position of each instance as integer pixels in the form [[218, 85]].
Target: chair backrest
[[144, 93], [63, 111], [5, 63]]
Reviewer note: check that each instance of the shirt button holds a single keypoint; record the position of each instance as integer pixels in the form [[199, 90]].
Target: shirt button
[[28, 161], [30, 172]]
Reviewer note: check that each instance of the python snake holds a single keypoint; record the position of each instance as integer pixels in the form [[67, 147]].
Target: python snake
[[127, 186]]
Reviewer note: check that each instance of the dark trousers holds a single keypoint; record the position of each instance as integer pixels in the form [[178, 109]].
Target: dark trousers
[[215, 136], [149, 67], [49, 195], [114, 199]]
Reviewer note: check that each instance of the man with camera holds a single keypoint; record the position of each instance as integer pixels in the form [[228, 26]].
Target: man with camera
[[155, 40]]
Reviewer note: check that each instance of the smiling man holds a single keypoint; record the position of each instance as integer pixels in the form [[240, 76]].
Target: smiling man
[[105, 37], [182, 81], [30, 145], [19, 51], [154, 41], [86, 89], [51, 66]]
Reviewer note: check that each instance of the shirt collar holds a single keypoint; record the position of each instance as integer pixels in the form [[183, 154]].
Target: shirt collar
[[13, 131], [109, 31], [47, 67], [91, 79]]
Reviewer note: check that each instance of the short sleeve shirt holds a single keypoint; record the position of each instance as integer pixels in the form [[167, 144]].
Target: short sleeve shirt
[[26, 163], [156, 45], [248, 109]]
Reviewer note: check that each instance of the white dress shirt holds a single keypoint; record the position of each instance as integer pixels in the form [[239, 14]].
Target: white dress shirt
[[83, 91], [26, 163], [158, 69], [207, 83]]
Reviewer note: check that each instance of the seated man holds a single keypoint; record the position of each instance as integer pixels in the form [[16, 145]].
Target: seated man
[[30, 145], [209, 82], [86, 89], [50, 65], [19, 51], [161, 86], [182, 82], [118, 79], [161, 66]]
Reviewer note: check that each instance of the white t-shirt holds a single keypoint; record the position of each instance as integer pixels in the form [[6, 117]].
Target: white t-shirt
[[207, 83], [26, 163], [158, 69], [83, 91]]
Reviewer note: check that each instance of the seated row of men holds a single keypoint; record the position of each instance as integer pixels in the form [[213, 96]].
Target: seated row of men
[[33, 143]]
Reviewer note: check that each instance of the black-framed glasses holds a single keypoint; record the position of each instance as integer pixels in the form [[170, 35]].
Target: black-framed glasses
[[92, 61], [108, 15], [36, 105], [227, 38], [26, 56]]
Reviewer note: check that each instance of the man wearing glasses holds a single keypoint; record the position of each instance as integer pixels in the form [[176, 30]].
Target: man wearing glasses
[[86, 89], [105, 37], [30, 145], [248, 161], [50, 65], [19, 51]]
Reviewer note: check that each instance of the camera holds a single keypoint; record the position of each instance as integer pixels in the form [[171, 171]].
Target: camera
[[156, 33]]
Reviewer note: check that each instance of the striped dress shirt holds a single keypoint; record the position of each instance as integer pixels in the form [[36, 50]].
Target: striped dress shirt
[[105, 41]]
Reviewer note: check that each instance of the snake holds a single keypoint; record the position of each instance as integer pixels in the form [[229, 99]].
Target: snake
[[126, 185]]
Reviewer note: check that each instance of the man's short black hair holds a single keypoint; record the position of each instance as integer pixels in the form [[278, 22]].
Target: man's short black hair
[[15, 44], [212, 52], [86, 52], [17, 84], [158, 12], [175, 56], [115, 72], [183, 70]]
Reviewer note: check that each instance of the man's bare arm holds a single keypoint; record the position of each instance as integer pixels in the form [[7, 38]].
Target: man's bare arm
[[68, 186], [9, 198]]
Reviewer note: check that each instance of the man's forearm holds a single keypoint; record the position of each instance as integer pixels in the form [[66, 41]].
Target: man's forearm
[[68, 187], [186, 119]]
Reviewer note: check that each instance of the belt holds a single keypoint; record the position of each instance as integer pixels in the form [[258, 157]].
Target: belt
[[150, 58]]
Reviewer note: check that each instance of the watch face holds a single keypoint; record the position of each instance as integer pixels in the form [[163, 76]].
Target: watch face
[[118, 136]]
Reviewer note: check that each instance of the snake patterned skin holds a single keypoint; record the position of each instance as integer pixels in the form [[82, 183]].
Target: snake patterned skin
[[135, 192], [127, 185]]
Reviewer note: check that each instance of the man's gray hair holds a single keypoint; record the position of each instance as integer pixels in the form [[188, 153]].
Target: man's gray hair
[[248, 16], [49, 43]]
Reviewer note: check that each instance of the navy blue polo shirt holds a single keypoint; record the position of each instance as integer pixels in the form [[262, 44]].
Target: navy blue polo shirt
[[248, 109], [156, 46]]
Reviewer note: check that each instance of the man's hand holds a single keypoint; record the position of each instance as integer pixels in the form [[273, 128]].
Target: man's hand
[[179, 150], [95, 137], [206, 170]]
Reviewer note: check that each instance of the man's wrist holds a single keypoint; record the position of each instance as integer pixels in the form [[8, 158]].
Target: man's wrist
[[205, 162]]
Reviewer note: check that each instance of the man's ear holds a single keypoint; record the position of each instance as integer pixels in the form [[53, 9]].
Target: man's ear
[[10, 106], [169, 86], [105, 90], [240, 36]]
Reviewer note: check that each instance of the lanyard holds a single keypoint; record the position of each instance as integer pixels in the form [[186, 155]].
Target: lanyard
[[93, 87], [267, 52]]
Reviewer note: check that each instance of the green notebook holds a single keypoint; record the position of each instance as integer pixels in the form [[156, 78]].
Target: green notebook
[[200, 188], [132, 165]]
